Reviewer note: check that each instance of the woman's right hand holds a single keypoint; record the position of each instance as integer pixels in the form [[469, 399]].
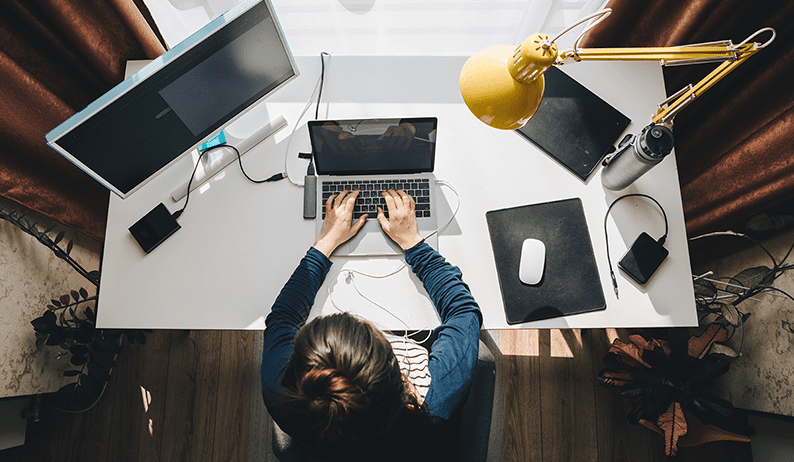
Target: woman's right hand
[[401, 224]]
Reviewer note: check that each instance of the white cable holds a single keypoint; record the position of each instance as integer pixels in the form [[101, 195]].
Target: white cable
[[295, 127], [605, 12], [455, 212], [350, 273]]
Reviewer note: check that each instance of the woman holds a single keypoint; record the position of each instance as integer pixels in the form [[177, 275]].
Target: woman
[[335, 384]]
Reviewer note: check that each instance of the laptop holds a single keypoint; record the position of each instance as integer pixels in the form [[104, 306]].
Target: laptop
[[374, 155]]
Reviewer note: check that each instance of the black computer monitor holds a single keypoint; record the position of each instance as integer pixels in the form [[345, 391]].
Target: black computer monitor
[[179, 100]]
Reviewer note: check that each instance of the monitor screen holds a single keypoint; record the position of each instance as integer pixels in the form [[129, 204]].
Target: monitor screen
[[179, 100]]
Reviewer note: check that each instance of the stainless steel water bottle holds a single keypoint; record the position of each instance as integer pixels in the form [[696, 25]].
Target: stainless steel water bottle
[[635, 155]]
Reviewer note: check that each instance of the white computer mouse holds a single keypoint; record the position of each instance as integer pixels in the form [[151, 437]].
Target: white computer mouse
[[533, 261]]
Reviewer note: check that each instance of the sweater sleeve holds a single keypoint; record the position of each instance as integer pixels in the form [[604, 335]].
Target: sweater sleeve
[[288, 313], [453, 355]]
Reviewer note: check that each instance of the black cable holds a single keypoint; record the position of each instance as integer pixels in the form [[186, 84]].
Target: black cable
[[276, 177], [178, 213], [322, 83], [661, 240]]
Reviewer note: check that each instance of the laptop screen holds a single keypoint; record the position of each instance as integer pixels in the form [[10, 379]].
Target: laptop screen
[[373, 146]]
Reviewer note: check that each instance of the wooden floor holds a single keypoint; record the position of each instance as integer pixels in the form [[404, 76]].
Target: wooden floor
[[185, 396]]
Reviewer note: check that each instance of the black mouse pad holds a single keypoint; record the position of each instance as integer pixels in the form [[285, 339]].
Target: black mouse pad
[[570, 283], [574, 125]]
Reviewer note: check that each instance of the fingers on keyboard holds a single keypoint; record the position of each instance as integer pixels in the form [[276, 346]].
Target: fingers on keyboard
[[371, 197]]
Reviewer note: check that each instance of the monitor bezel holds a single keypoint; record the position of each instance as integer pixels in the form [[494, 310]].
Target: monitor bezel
[[150, 70]]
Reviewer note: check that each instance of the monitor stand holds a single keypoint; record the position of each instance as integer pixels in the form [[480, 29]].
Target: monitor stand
[[223, 156]]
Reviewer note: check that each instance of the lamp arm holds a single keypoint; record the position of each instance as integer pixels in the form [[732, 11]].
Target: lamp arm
[[673, 55], [730, 56], [666, 113]]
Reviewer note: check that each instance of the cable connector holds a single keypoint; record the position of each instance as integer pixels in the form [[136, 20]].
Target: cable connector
[[277, 176], [614, 283]]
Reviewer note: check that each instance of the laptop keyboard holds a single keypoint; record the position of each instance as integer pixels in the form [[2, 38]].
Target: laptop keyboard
[[371, 198]]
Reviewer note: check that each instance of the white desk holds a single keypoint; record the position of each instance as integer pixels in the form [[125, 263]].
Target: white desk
[[240, 241]]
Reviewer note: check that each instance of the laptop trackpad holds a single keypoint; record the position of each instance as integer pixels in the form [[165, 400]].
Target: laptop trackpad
[[371, 240]]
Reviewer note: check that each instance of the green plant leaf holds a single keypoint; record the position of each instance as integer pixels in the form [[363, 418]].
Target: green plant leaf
[[83, 293], [71, 373], [82, 335], [56, 303], [75, 295], [43, 324], [93, 276], [69, 246], [59, 237], [79, 349], [49, 228], [65, 299], [56, 337], [78, 360]]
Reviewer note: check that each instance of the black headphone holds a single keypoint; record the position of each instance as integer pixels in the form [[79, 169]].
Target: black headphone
[[644, 256]]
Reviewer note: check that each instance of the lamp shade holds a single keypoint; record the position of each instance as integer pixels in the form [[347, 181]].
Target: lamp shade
[[503, 85]]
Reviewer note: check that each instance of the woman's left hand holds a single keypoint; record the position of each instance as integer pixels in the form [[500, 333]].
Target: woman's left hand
[[337, 227]]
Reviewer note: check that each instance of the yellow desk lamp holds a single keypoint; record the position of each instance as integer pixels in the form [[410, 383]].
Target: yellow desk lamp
[[503, 85]]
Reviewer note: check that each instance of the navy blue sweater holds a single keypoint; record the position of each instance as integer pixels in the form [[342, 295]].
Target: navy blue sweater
[[453, 354]]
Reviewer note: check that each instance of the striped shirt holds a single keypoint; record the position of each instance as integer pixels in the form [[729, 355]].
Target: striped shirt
[[413, 361]]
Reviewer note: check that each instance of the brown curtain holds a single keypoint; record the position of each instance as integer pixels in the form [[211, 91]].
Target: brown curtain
[[56, 56], [735, 144]]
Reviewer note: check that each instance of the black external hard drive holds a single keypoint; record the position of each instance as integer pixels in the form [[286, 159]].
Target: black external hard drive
[[154, 228], [643, 258]]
